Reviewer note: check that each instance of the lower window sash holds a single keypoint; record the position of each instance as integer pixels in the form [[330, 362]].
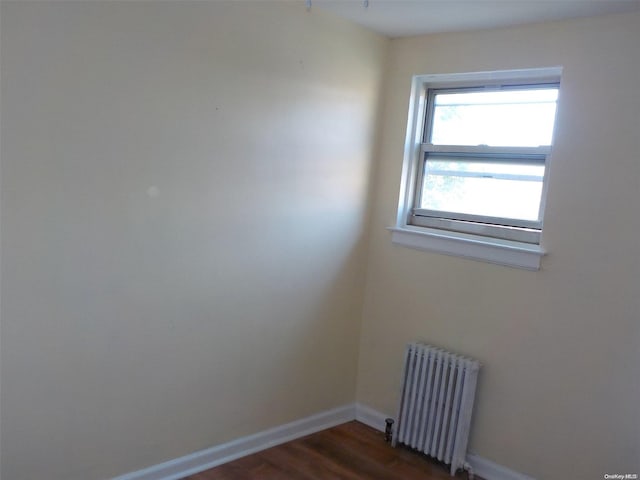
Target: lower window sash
[[518, 234]]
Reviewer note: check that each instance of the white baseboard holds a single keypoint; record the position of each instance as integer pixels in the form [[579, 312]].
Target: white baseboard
[[212, 457], [371, 417], [493, 471]]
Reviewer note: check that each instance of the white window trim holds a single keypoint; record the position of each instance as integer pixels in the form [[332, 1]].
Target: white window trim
[[494, 250]]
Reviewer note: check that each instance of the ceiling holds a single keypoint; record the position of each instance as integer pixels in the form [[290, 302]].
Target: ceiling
[[400, 18]]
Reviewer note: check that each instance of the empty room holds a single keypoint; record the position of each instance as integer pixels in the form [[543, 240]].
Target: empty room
[[327, 239]]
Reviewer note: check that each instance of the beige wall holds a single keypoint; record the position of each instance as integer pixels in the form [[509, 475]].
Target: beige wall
[[559, 390], [183, 206], [184, 195]]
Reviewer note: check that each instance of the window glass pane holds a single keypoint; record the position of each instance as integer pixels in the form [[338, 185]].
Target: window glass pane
[[517, 118], [484, 188]]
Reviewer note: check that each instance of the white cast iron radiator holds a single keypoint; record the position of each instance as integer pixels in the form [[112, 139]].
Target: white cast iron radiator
[[436, 403]]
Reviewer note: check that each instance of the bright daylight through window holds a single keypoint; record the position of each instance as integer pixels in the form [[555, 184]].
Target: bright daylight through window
[[477, 159]]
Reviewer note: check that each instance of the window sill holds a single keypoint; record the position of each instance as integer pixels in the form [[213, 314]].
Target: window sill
[[492, 250]]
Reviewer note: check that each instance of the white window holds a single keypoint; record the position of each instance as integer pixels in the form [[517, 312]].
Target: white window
[[476, 164]]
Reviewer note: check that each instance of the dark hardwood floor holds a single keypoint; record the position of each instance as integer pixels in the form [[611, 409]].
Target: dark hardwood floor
[[351, 451]]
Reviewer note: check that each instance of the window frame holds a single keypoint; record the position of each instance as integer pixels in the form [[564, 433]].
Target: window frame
[[468, 233]]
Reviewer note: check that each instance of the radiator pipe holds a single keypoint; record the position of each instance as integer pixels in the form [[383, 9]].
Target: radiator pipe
[[467, 466], [388, 430]]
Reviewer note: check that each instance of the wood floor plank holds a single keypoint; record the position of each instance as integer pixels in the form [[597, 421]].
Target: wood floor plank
[[351, 451]]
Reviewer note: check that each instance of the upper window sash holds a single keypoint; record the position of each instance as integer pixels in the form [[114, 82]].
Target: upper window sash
[[431, 91]]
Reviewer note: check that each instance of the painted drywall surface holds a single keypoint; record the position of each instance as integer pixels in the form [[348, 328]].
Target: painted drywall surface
[[183, 203], [559, 390]]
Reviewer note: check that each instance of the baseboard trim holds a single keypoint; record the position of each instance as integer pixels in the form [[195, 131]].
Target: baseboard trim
[[212, 457], [493, 471], [226, 452], [371, 417]]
